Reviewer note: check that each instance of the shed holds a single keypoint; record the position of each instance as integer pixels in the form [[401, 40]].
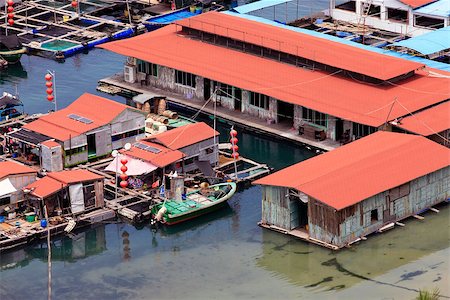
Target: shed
[[51, 156], [13, 177], [341, 196]]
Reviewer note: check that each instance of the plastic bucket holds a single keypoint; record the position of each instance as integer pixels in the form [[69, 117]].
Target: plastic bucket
[[2, 219], [30, 218], [43, 223]]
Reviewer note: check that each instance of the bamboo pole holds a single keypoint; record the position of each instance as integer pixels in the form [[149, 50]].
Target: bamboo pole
[[49, 259]]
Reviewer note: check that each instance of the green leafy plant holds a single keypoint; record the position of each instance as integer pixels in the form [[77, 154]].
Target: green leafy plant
[[427, 295]]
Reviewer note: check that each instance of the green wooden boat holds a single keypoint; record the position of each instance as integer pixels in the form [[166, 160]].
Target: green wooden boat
[[11, 48], [197, 203]]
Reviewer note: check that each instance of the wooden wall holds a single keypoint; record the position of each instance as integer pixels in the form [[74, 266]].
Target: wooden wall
[[275, 207]]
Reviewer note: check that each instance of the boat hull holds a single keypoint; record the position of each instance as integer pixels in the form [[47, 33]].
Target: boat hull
[[13, 56], [175, 220]]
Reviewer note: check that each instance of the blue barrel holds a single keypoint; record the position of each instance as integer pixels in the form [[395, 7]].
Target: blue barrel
[[43, 223]]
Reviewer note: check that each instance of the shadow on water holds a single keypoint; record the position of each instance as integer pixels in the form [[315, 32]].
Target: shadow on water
[[312, 266]]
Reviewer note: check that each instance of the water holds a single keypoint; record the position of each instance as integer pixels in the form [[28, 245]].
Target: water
[[224, 255]]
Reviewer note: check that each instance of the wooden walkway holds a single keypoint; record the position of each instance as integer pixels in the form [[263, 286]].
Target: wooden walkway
[[279, 130]]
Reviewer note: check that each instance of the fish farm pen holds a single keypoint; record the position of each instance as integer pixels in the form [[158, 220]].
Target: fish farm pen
[[63, 28]]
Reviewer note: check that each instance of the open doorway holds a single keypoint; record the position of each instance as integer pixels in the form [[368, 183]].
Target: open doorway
[[285, 112], [339, 129], [237, 99], [92, 149], [206, 88]]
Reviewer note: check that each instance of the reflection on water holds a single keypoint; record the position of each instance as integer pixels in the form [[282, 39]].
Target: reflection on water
[[12, 71]]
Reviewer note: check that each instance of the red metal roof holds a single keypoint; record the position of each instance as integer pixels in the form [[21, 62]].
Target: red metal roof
[[50, 144], [184, 136], [417, 3], [45, 187], [74, 176], [12, 168], [165, 157], [58, 125], [429, 121], [336, 96], [334, 54], [364, 168]]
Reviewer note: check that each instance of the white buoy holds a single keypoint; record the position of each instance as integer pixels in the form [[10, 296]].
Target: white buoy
[[160, 213]]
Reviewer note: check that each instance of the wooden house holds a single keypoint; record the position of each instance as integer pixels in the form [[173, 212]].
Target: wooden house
[[13, 177], [88, 128], [341, 196], [279, 74], [68, 192]]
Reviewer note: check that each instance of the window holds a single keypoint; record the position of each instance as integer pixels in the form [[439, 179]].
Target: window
[[5, 200], [223, 89], [397, 15], [147, 68], [259, 100], [127, 134], [314, 117], [74, 151], [374, 216], [209, 150], [189, 161], [185, 78], [349, 6], [433, 23], [374, 10], [360, 130]]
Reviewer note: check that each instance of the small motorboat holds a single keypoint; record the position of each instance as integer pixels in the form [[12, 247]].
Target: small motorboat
[[11, 48], [9, 107]]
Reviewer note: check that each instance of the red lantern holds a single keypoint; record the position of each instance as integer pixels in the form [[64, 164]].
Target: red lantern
[[234, 140], [11, 22], [10, 9], [124, 184], [123, 176], [10, 15], [233, 133], [48, 77], [124, 161], [49, 84], [74, 4], [235, 155], [123, 168], [10, 2], [235, 148], [50, 97], [49, 91]]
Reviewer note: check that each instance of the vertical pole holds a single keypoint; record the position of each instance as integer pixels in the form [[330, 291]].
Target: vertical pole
[[54, 90], [215, 139], [6, 18], [49, 260], [129, 13], [116, 179]]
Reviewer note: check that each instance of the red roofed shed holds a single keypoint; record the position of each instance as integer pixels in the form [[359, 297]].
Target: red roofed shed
[[358, 188]]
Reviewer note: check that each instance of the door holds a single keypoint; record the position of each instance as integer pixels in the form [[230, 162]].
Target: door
[[339, 129], [237, 99], [285, 112], [92, 149], [206, 88]]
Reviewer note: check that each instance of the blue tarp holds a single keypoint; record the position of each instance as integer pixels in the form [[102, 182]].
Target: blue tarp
[[428, 43], [172, 17], [439, 8], [428, 62], [243, 9]]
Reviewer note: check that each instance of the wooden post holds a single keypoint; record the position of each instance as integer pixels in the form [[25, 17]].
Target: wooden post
[[49, 258]]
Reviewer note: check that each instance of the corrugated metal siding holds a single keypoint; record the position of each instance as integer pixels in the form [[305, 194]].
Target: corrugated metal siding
[[51, 158], [392, 205], [275, 207], [19, 182]]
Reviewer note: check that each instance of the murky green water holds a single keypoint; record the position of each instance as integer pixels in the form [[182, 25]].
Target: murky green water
[[224, 255]]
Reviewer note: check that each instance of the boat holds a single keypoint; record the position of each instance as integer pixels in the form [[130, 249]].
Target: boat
[[196, 203], [9, 105], [11, 48]]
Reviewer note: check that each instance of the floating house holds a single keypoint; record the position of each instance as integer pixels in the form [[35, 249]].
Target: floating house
[[80, 132], [340, 197], [198, 142], [13, 177], [407, 17], [67, 192], [321, 88]]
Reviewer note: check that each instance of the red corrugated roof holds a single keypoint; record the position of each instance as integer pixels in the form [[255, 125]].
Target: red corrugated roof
[[165, 157], [50, 144], [74, 176], [45, 187], [364, 168], [337, 96], [184, 136], [417, 3], [12, 168], [58, 125], [429, 121], [321, 50]]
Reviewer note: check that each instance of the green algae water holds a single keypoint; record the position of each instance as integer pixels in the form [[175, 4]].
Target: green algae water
[[224, 255]]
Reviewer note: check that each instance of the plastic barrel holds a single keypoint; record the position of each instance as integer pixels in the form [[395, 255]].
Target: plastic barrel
[[43, 223]]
